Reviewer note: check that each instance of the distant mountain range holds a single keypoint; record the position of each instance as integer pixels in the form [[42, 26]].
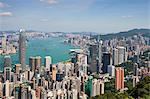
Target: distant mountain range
[[143, 32]]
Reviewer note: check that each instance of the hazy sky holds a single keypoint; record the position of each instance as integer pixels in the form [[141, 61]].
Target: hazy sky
[[101, 16]]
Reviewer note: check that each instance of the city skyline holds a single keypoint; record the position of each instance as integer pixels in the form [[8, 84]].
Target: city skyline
[[102, 16]]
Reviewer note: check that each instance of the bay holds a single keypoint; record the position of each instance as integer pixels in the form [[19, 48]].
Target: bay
[[52, 46]]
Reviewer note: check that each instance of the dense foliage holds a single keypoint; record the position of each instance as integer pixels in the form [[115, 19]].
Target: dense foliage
[[128, 66], [140, 91]]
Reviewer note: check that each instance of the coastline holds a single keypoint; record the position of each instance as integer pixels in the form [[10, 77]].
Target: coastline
[[55, 48]]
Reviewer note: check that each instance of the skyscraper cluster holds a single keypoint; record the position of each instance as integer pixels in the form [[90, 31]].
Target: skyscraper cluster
[[84, 75]]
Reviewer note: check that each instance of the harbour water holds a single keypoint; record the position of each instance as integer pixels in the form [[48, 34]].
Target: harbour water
[[53, 47]]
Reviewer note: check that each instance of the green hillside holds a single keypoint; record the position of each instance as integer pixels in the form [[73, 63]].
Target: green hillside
[[143, 32]]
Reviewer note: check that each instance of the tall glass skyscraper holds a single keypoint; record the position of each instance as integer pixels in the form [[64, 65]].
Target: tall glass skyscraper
[[22, 49], [99, 54]]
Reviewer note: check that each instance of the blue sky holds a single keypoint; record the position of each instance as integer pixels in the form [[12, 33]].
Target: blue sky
[[102, 16]]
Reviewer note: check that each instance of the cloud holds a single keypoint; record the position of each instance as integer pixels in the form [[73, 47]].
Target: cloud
[[127, 16], [6, 14], [50, 1], [3, 5]]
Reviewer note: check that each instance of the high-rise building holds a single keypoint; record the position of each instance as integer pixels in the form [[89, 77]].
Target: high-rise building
[[111, 70], [97, 87], [100, 55], [119, 82], [22, 49], [7, 73], [82, 62], [93, 58], [107, 60], [37, 62], [32, 63], [17, 68], [54, 71], [47, 62], [115, 57], [7, 89], [74, 59], [122, 54]]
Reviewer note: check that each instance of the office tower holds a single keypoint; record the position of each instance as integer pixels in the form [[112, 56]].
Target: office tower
[[37, 62], [17, 68], [32, 63], [122, 54], [137, 52], [93, 58], [22, 49], [107, 60], [73, 56], [7, 89], [82, 58], [115, 55], [74, 59], [111, 70], [82, 61], [119, 82], [135, 69], [54, 71], [100, 55], [47, 62]]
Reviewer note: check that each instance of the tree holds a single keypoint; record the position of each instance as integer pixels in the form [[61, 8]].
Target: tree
[[142, 89]]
